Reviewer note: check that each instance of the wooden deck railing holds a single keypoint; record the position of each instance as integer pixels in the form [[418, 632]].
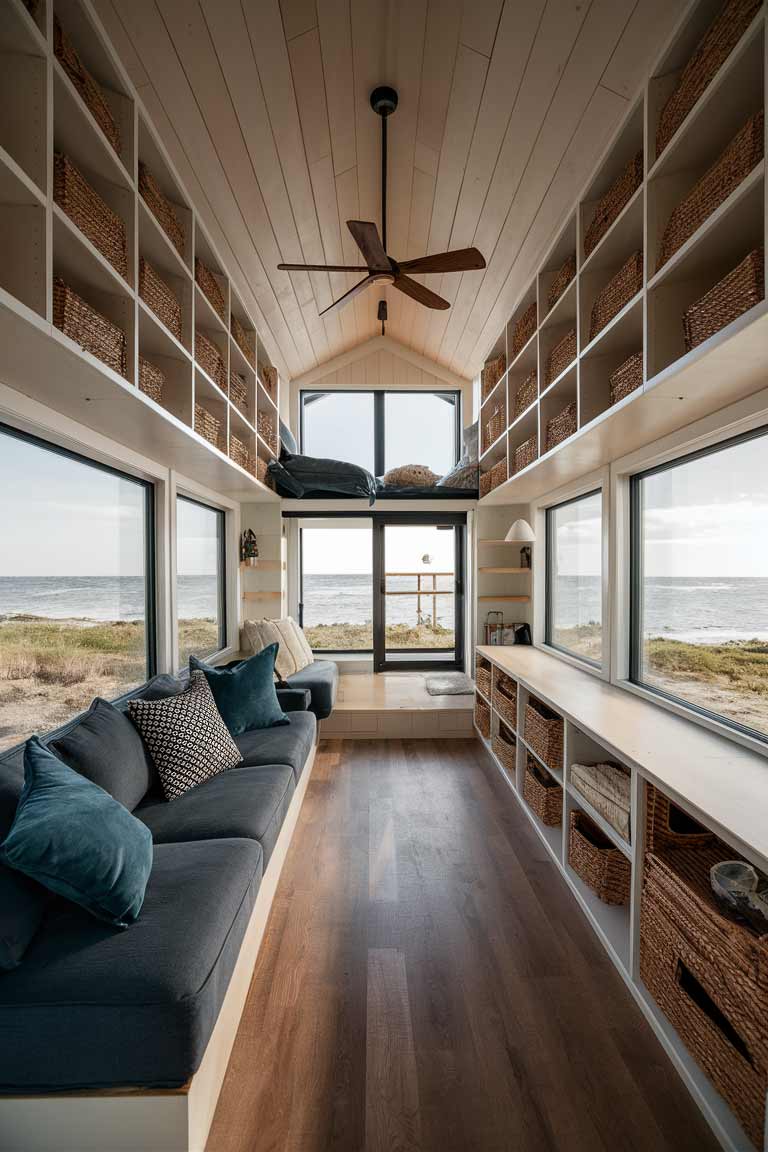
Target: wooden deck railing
[[418, 591]]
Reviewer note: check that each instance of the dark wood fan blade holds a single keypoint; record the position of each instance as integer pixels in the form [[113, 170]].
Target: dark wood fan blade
[[367, 238], [462, 260], [323, 267], [358, 288], [418, 292]]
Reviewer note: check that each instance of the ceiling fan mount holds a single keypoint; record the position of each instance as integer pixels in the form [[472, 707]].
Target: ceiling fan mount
[[379, 266]]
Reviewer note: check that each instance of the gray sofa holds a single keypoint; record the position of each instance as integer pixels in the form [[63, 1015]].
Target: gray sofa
[[321, 680], [91, 1007]]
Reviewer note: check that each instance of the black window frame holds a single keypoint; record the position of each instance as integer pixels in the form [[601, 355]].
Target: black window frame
[[222, 559], [379, 418], [549, 537], [636, 584]]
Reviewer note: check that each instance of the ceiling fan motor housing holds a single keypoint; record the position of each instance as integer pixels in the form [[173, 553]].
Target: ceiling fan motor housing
[[384, 100]]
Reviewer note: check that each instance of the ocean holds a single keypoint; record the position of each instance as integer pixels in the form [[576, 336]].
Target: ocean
[[699, 610]]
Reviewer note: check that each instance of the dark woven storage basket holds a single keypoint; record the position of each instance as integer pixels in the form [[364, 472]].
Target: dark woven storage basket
[[714, 49], [269, 380], [493, 370], [611, 205], [542, 794], [668, 826], [597, 861], [498, 473], [159, 296], [238, 391], [527, 391], [618, 291], [87, 327], [483, 717], [526, 453], [732, 166], [735, 294], [627, 377], [562, 279], [261, 471], [210, 288], [240, 454], [89, 89], [151, 380], [483, 676], [524, 329], [494, 427], [562, 426], [563, 354], [210, 360], [505, 747], [244, 341], [88, 212], [267, 430], [484, 484], [207, 425], [161, 208], [504, 698], [544, 733]]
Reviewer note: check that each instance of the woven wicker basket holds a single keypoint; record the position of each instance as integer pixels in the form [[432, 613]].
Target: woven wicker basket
[[244, 341], [493, 370], [261, 471], [159, 296], [527, 391], [526, 453], [597, 861], [87, 327], [716, 46], [240, 454], [494, 427], [544, 733], [627, 377], [268, 376], [210, 288], [265, 423], [734, 165], [483, 676], [505, 747], [542, 794], [88, 88], [238, 391], [607, 787], [619, 290], [562, 426], [161, 208], [484, 483], [667, 826], [563, 354], [207, 425], [210, 360], [504, 697], [561, 280], [493, 477], [482, 717], [524, 329], [735, 294], [88, 212], [151, 380], [611, 205]]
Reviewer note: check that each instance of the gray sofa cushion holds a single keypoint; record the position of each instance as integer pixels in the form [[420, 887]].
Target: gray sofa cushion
[[91, 1007], [322, 679], [22, 901], [246, 802], [104, 746], [290, 744]]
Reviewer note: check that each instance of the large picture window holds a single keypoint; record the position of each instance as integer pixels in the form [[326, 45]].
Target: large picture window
[[574, 616], [200, 579], [699, 616], [76, 585]]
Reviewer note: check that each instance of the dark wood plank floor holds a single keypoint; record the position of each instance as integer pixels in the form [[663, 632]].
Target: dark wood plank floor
[[428, 983]]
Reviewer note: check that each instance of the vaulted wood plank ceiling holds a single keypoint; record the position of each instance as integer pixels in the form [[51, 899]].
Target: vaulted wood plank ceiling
[[504, 110]]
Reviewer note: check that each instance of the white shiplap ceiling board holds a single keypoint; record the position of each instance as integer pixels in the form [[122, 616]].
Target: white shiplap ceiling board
[[505, 106]]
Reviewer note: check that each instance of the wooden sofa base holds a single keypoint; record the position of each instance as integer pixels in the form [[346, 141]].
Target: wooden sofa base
[[135, 1120]]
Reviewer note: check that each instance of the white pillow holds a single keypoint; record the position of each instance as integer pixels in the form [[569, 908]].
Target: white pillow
[[309, 655], [288, 637], [260, 633]]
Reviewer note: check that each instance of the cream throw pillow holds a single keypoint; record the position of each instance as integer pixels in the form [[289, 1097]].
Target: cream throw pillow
[[288, 637], [260, 633], [309, 656]]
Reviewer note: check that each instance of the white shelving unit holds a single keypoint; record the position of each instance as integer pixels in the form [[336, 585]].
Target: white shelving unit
[[600, 725], [38, 242], [726, 367]]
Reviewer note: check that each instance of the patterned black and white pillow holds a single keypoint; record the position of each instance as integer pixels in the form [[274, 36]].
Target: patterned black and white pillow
[[186, 736]]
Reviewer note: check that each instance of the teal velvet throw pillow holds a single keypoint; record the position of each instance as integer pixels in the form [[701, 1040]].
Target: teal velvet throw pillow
[[245, 695], [75, 839]]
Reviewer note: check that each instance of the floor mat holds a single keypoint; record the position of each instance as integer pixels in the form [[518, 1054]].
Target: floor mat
[[449, 684]]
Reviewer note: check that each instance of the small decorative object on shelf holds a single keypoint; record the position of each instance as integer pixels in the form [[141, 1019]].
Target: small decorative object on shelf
[[493, 370], [208, 425], [93, 332], [151, 380], [249, 548], [618, 292], [210, 288], [88, 212], [561, 280], [627, 377], [563, 354], [161, 208], [562, 426], [526, 453], [713, 50], [525, 556], [735, 294], [494, 626], [598, 862], [243, 339], [210, 360], [527, 391], [89, 90], [159, 296], [611, 205], [542, 794], [524, 329], [741, 892]]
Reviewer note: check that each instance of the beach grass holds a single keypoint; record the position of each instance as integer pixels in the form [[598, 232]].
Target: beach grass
[[359, 637]]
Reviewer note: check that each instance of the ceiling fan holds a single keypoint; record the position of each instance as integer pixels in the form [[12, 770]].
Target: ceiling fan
[[378, 265]]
